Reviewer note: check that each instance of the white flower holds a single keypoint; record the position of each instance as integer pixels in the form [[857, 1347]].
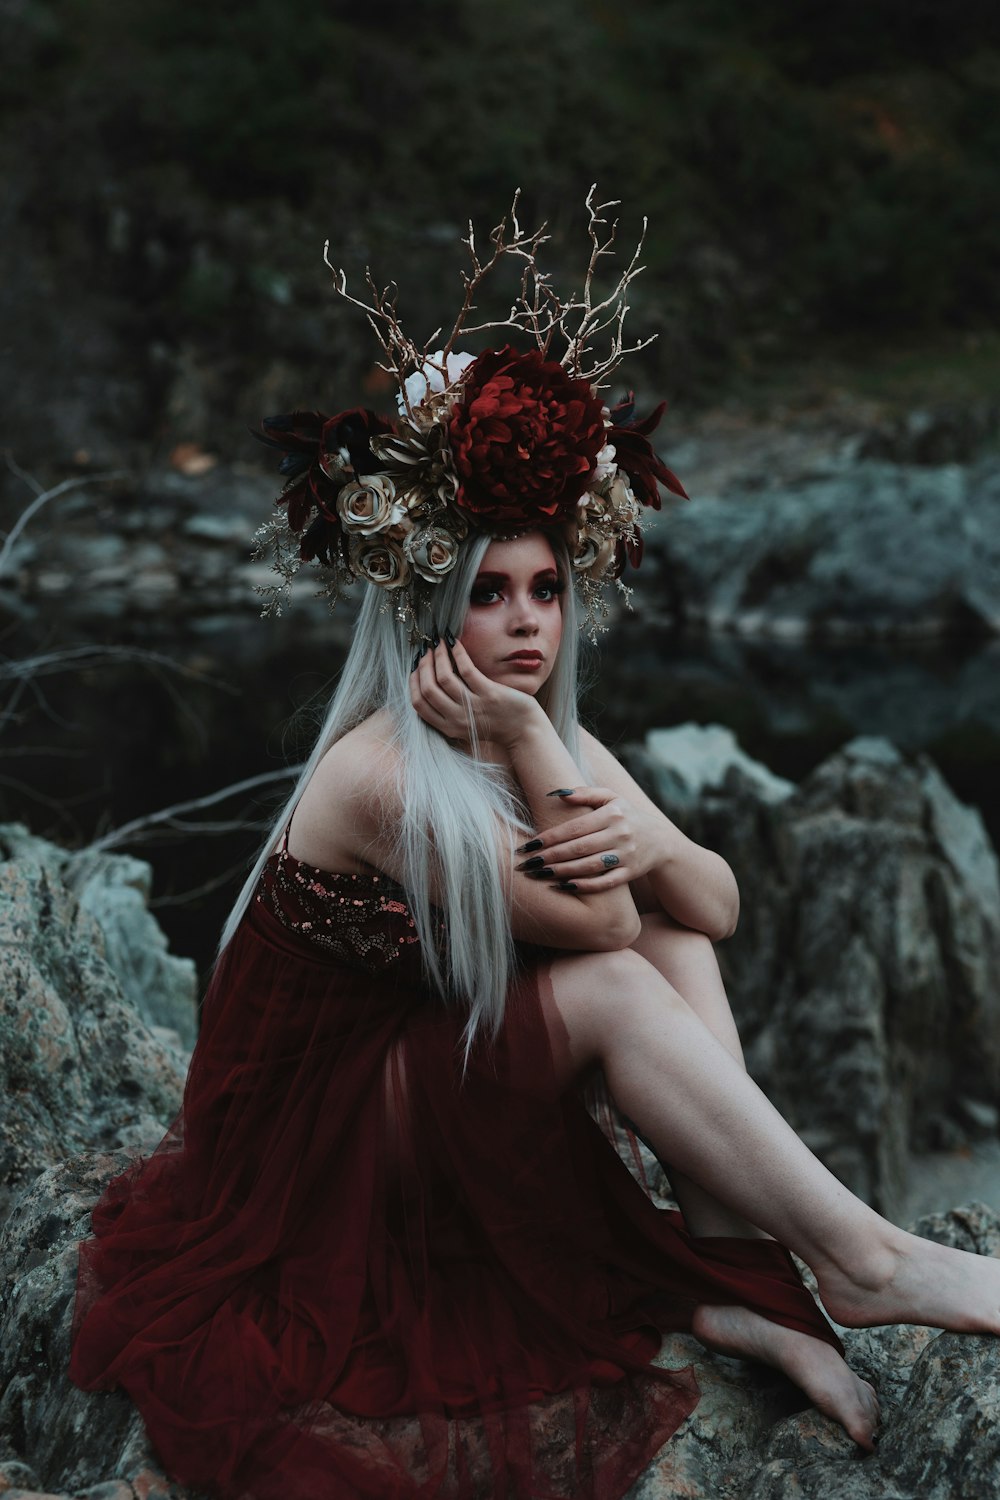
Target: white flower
[[429, 378], [431, 551], [380, 561], [605, 463], [367, 506]]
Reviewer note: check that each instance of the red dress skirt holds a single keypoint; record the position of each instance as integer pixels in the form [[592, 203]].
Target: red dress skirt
[[349, 1270]]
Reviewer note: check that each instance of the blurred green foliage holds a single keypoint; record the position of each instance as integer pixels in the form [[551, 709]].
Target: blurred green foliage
[[810, 171]]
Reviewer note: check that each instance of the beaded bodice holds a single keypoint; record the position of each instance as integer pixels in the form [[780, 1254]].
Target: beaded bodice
[[362, 920]]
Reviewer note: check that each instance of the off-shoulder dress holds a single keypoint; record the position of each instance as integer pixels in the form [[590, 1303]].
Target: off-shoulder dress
[[352, 1269]]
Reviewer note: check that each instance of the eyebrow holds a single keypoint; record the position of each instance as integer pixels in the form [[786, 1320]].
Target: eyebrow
[[505, 577]]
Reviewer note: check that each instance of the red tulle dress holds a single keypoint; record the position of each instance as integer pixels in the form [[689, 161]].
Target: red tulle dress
[[349, 1270]]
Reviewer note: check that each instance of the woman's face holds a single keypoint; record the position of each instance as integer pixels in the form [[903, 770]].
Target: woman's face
[[514, 623]]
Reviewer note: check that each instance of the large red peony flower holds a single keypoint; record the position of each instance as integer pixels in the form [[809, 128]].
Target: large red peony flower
[[524, 440]]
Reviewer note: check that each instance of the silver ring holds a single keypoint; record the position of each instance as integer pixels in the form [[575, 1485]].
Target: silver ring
[[609, 861]]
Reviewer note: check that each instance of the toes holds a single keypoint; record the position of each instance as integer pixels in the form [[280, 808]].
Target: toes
[[862, 1427]]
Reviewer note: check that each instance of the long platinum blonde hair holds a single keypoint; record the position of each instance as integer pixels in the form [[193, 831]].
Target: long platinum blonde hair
[[462, 817]]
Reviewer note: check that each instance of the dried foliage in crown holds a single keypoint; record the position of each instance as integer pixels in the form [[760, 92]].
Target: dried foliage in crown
[[502, 442]]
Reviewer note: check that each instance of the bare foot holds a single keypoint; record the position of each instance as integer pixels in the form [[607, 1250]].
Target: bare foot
[[814, 1366], [912, 1280]]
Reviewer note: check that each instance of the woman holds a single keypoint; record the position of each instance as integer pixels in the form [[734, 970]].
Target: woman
[[385, 1250]]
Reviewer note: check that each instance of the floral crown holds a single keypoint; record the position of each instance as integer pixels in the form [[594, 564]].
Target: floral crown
[[501, 442]]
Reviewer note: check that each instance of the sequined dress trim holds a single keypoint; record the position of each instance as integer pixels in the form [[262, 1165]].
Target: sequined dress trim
[[360, 919]]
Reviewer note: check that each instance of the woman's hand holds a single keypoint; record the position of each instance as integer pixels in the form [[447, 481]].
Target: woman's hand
[[446, 689], [611, 843]]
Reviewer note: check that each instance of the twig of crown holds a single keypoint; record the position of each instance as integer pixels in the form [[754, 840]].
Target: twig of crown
[[405, 356], [524, 315], [538, 311], [610, 312]]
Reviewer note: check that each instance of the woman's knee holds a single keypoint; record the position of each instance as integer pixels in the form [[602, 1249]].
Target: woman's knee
[[602, 997], [662, 935], [688, 962]]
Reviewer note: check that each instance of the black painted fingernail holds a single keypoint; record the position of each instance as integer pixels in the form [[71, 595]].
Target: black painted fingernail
[[449, 638], [567, 885], [423, 651], [543, 874], [561, 791], [534, 863], [435, 640], [416, 659], [530, 846]]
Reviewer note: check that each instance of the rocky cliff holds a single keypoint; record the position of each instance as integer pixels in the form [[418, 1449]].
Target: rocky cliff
[[862, 974]]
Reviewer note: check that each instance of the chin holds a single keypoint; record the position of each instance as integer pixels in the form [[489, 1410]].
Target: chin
[[524, 682]]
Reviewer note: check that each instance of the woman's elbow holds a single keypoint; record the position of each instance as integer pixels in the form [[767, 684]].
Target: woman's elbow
[[729, 919], [616, 933]]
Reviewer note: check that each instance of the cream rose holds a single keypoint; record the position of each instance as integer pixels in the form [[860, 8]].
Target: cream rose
[[367, 506], [431, 552], [620, 500], [380, 561], [593, 553], [593, 509]]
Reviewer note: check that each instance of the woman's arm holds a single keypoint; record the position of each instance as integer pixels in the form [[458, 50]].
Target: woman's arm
[[446, 688], [346, 814], [603, 918], [692, 884]]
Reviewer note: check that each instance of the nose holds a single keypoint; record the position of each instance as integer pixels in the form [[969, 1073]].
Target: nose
[[524, 620]]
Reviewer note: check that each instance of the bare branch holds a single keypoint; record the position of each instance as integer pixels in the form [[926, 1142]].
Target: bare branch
[[537, 310], [42, 497], [214, 883], [139, 828], [596, 317], [400, 351], [48, 662]]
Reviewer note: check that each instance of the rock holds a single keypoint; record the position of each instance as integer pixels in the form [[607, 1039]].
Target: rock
[[78, 1065], [939, 1439], [115, 889], [72, 1439], [750, 1438], [981, 1120], [863, 970], [939, 435], [688, 760], [817, 558]]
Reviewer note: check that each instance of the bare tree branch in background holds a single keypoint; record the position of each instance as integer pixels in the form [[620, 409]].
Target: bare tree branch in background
[[24, 673], [42, 497], [140, 829], [21, 681]]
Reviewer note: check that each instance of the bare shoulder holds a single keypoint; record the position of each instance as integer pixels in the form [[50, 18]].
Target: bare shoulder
[[607, 770], [599, 757], [344, 808]]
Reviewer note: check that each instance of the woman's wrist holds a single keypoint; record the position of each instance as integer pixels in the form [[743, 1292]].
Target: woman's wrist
[[523, 724]]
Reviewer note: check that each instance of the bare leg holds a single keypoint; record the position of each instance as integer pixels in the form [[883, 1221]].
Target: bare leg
[[686, 959], [701, 1111]]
